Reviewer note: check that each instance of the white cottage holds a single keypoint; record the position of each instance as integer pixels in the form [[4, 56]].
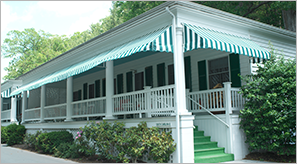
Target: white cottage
[[174, 66]]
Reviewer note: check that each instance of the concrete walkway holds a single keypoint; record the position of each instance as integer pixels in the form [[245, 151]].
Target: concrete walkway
[[14, 155], [248, 161]]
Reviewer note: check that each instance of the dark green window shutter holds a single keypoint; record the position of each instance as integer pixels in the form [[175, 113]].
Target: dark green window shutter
[[235, 70], [129, 81], [79, 95], [103, 87], [97, 88], [170, 74], [161, 74], [85, 91], [120, 83], [202, 75], [188, 77], [149, 76]]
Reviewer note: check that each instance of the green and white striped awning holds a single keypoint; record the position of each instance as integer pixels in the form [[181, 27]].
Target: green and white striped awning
[[6, 93], [198, 37], [158, 40]]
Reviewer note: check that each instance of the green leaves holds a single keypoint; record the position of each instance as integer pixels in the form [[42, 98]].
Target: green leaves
[[269, 115], [112, 141]]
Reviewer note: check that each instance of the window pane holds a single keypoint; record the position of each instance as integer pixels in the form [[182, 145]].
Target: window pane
[[218, 71]]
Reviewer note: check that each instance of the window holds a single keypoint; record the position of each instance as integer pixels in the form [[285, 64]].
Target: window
[[77, 95], [170, 74], [218, 71]]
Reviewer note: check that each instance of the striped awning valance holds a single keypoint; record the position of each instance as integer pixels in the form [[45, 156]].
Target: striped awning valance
[[6, 93], [198, 37], [158, 40]]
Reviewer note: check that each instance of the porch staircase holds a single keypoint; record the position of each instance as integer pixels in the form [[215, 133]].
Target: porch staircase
[[206, 151]]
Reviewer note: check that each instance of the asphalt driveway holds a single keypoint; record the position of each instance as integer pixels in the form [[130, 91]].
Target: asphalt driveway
[[14, 155]]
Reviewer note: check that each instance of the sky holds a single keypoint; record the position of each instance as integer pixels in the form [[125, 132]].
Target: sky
[[54, 17]]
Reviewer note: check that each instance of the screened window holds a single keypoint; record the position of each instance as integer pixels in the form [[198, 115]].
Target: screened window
[[103, 87], [218, 70]]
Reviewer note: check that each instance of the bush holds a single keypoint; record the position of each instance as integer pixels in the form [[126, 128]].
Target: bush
[[4, 136], [67, 150], [31, 139], [15, 134], [47, 141], [112, 141], [269, 115]]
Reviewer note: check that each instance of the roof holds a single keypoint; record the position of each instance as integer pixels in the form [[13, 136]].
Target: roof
[[161, 9]]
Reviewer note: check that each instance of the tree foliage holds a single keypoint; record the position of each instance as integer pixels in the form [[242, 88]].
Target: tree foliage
[[269, 115], [30, 48]]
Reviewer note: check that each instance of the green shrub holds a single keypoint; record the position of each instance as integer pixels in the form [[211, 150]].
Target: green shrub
[[4, 136], [133, 142], [15, 134], [47, 141], [269, 115], [31, 139], [67, 150]]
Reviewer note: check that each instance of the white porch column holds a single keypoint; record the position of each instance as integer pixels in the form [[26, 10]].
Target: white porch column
[[184, 118], [228, 113], [69, 98], [24, 106], [109, 90], [13, 107], [179, 73], [42, 102]]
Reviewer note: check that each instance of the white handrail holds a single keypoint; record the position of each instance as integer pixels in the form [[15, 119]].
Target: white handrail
[[88, 100], [208, 111], [53, 106]]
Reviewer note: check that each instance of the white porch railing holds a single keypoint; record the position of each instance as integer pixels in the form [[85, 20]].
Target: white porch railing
[[89, 108], [55, 111], [237, 101], [213, 100], [156, 101], [5, 115], [32, 114]]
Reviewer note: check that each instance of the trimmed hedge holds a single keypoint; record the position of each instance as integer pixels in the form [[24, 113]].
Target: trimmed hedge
[[15, 134], [48, 141], [4, 137]]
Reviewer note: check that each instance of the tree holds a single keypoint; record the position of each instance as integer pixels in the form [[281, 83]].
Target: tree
[[269, 115], [29, 49], [277, 13]]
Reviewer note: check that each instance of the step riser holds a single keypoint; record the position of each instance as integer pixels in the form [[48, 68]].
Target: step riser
[[205, 146], [229, 157], [201, 139], [210, 152]]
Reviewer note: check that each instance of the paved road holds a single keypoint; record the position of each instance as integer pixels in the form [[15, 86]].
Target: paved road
[[14, 155]]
